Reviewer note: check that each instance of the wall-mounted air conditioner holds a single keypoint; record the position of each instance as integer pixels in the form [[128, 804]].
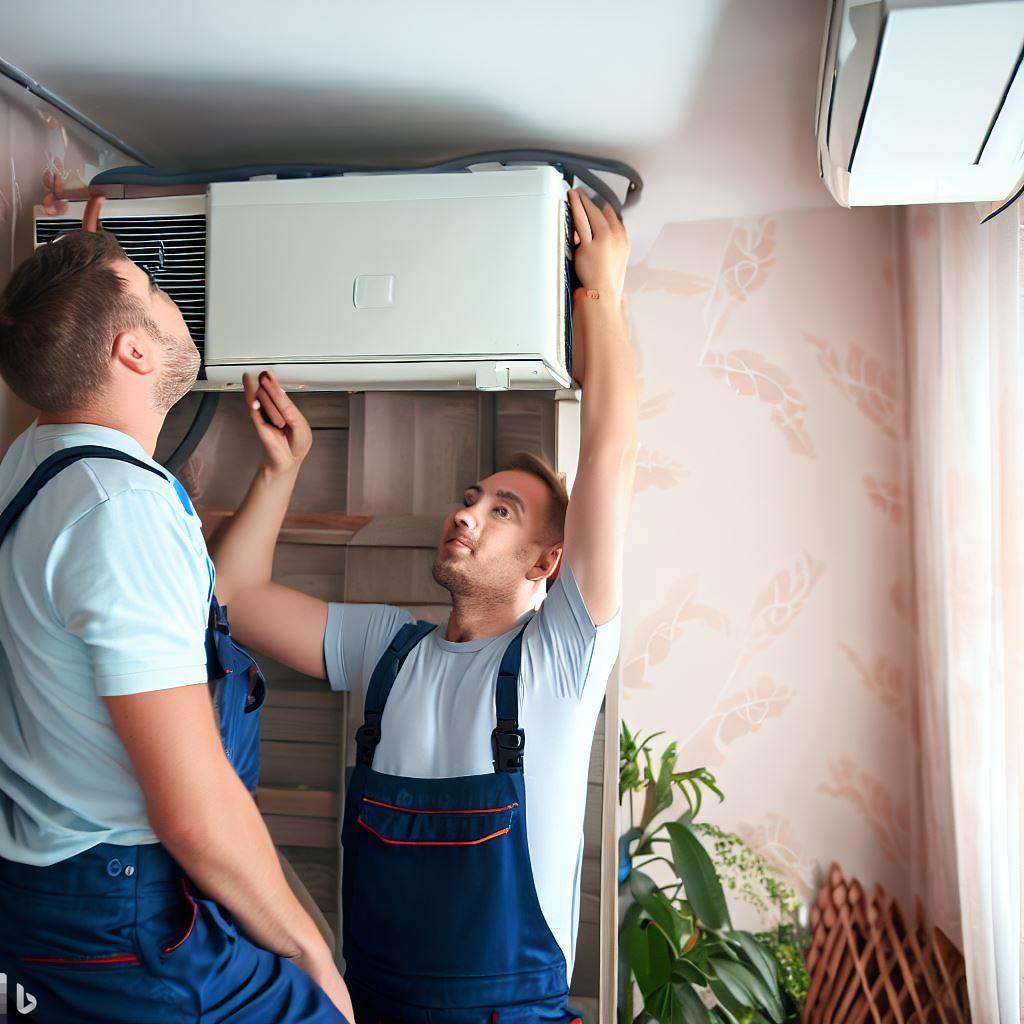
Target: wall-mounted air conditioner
[[922, 101], [376, 282]]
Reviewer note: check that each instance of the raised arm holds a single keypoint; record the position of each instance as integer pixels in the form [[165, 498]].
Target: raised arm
[[284, 623], [595, 522]]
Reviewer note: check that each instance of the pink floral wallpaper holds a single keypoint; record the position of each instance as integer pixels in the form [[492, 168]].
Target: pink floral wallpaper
[[766, 617]]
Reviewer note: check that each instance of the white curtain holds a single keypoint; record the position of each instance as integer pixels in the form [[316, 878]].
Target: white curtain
[[964, 306]]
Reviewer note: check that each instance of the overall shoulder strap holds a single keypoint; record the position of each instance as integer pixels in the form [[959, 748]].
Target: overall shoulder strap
[[50, 467], [379, 688], [508, 740]]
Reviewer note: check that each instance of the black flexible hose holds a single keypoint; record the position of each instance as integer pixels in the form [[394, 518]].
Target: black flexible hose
[[570, 165]]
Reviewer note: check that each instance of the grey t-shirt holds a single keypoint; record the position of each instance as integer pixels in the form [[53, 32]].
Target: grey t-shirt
[[440, 715]]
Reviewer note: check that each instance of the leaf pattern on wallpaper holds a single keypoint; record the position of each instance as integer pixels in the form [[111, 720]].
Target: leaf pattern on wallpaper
[[865, 381], [780, 602], [642, 277], [748, 257], [751, 375], [886, 496], [776, 608], [904, 600], [655, 469], [737, 716], [655, 636], [889, 820], [776, 841], [883, 679], [656, 404]]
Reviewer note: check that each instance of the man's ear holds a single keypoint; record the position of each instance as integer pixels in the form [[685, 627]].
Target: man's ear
[[548, 565], [133, 350]]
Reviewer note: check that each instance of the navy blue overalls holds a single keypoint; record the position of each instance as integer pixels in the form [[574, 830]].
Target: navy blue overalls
[[442, 924], [119, 934]]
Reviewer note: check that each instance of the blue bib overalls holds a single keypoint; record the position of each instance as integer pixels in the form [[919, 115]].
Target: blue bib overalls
[[442, 924], [119, 934]]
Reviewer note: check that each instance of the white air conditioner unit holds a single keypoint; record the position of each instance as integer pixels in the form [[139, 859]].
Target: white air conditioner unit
[[370, 282], [922, 101]]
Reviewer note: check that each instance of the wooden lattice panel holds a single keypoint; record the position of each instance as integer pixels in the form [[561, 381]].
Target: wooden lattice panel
[[867, 964]]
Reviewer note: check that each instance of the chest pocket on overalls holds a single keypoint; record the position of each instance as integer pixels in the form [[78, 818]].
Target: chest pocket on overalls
[[412, 826]]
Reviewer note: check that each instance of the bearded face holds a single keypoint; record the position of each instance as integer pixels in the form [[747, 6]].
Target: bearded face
[[180, 367], [497, 539]]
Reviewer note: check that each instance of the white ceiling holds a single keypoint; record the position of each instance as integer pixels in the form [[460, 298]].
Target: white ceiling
[[711, 100]]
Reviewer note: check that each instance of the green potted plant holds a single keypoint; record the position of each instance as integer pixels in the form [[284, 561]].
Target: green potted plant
[[677, 944]]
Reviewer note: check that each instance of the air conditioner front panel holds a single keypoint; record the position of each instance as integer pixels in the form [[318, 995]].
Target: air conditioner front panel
[[410, 267], [922, 102]]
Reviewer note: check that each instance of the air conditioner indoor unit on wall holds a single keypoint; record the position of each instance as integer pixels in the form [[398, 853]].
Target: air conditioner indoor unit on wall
[[364, 282], [922, 101]]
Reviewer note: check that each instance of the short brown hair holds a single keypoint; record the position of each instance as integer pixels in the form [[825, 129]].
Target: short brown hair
[[527, 462], [59, 314]]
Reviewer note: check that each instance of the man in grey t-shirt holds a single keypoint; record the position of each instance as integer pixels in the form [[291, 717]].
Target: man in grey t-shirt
[[456, 883]]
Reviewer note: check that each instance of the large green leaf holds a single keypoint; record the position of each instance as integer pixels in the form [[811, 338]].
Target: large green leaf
[[665, 1007], [695, 960], [649, 956], [688, 972], [694, 1011], [697, 872], [729, 1006], [659, 908], [760, 958], [633, 943], [748, 988], [661, 956]]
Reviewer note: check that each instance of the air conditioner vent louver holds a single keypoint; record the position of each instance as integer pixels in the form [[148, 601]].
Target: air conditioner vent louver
[[172, 249]]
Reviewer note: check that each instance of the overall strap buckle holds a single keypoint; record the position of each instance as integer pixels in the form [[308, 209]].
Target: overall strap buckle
[[367, 738], [508, 741], [379, 687]]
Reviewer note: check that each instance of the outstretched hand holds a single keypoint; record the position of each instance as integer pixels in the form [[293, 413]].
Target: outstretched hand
[[281, 427], [603, 247]]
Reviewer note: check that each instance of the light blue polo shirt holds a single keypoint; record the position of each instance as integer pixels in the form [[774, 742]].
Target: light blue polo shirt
[[105, 585]]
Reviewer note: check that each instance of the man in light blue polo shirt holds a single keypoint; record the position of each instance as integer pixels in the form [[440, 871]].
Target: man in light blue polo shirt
[[104, 530], [138, 882]]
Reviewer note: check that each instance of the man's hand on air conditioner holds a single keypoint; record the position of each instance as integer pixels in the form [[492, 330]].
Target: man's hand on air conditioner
[[603, 248], [282, 429]]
